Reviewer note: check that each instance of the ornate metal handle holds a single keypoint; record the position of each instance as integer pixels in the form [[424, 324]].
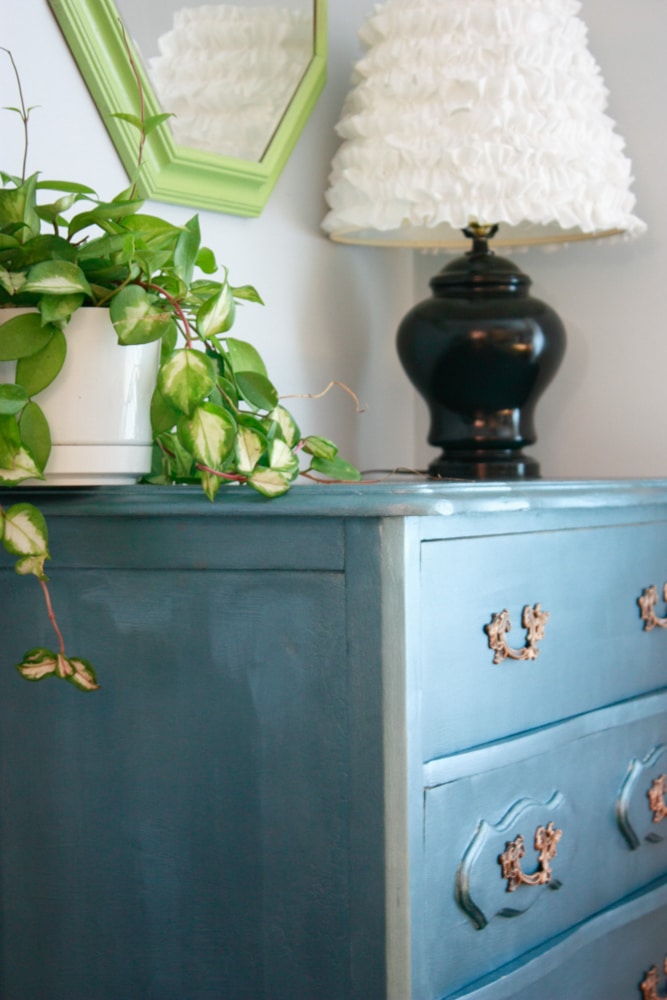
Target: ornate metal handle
[[533, 620], [656, 798], [647, 603], [649, 985], [546, 842]]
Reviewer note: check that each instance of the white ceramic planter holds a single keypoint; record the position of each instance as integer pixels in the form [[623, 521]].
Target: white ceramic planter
[[98, 408]]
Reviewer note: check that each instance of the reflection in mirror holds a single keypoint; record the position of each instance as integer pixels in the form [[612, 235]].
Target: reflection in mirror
[[227, 166], [227, 72]]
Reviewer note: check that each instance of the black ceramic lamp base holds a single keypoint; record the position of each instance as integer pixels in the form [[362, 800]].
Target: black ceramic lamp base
[[481, 351], [479, 465]]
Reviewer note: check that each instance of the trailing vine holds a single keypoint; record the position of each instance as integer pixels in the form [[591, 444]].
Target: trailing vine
[[216, 415]]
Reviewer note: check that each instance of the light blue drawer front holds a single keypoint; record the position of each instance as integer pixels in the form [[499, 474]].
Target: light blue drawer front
[[474, 921], [615, 956], [595, 650]]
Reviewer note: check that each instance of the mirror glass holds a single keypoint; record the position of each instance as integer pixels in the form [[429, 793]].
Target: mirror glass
[[227, 72], [239, 79]]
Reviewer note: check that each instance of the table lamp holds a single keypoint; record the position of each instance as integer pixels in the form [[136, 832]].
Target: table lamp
[[479, 120]]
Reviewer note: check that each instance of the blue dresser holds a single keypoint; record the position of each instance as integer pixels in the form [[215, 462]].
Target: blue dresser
[[404, 741]]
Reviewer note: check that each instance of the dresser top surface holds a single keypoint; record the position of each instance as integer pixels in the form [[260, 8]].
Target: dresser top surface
[[393, 497]]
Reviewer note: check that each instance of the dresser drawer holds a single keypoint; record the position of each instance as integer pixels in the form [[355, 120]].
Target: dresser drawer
[[580, 787], [620, 954], [594, 651]]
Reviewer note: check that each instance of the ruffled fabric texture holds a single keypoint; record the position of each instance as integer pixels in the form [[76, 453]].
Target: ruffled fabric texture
[[228, 73], [487, 111]]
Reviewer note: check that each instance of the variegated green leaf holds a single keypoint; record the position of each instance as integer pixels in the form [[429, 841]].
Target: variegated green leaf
[[82, 674], [28, 565], [287, 424], [26, 533], [37, 664], [17, 205], [282, 459], [186, 379], [248, 293], [58, 309], [320, 447], [137, 316], [53, 213], [210, 484], [268, 482], [208, 434], [249, 447], [11, 281], [56, 277], [10, 441], [217, 313], [22, 467]]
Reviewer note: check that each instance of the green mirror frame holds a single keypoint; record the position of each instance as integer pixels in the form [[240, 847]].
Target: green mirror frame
[[175, 173]]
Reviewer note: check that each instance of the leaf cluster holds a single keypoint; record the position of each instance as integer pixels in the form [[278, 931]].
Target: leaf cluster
[[215, 413]]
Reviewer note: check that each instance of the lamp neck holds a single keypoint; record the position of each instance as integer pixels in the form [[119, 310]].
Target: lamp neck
[[480, 236], [479, 272]]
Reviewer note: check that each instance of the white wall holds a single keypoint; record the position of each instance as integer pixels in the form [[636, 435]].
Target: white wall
[[332, 311]]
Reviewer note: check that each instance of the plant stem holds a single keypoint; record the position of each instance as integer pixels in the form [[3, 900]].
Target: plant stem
[[142, 110], [175, 305], [24, 114], [234, 477], [52, 617]]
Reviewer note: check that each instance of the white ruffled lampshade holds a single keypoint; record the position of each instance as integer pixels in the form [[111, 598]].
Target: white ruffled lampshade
[[477, 111]]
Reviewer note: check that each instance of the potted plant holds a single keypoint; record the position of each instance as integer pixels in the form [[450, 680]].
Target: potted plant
[[215, 414]]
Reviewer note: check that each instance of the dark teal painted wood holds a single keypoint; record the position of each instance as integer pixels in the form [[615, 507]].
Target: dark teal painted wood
[[521, 506], [185, 833], [292, 700]]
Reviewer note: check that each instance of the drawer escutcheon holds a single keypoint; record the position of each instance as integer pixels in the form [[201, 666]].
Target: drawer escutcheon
[[656, 798], [641, 806], [546, 843], [647, 603], [533, 620], [649, 985], [481, 891]]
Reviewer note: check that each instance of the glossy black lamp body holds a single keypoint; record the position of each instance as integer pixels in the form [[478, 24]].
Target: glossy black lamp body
[[480, 352]]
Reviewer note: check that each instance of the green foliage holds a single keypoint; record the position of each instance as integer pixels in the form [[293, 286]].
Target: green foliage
[[156, 280], [215, 413]]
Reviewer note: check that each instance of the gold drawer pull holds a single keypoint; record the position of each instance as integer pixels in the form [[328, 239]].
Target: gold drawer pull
[[546, 842], [656, 798], [533, 620], [649, 986], [647, 603]]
